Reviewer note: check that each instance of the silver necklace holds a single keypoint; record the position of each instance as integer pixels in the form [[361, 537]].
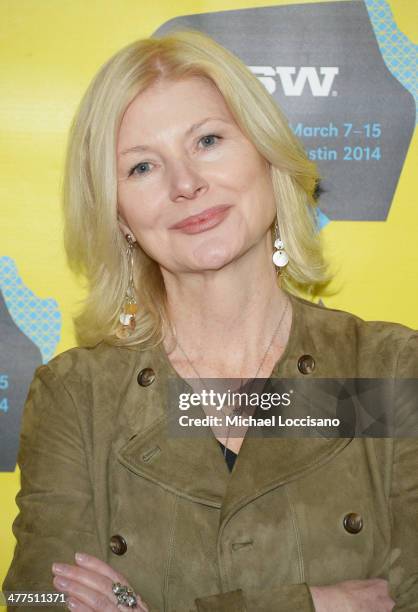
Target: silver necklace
[[259, 367]]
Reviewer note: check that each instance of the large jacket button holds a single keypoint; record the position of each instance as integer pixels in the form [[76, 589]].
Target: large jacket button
[[353, 522], [118, 545], [146, 377], [306, 364]]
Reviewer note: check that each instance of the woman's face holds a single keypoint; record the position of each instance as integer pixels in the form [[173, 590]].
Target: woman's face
[[181, 155]]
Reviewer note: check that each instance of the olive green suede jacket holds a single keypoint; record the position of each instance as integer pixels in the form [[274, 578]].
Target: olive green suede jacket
[[100, 474]]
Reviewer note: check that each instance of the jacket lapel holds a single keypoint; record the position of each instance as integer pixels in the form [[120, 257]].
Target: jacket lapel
[[193, 468], [264, 464]]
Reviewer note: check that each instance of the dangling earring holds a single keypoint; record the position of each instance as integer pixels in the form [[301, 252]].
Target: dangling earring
[[280, 258], [127, 320]]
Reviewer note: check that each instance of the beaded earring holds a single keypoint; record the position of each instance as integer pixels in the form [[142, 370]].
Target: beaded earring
[[280, 258], [127, 319]]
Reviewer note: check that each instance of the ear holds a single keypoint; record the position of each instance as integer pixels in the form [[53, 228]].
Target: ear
[[124, 228]]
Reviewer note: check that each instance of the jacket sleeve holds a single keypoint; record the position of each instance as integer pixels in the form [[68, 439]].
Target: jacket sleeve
[[403, 572], [56, 516], [286, 598]]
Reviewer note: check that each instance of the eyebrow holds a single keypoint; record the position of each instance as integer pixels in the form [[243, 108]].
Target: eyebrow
[[191, 129]]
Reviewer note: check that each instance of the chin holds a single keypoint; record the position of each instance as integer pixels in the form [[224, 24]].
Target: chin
[[212, 258]]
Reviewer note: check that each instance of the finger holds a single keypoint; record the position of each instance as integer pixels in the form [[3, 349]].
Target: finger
[[89, 597], [94, 581], [142, 607], [97, 565], [77, 605], [71, 575]]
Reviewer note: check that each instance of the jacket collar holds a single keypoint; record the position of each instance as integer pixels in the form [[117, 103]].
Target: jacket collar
[[195, 468]]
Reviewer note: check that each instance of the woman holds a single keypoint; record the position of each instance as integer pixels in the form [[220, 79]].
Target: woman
[[181, 175]]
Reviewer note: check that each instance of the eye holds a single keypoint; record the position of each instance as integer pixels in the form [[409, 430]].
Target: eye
[[139, 168], [208, 140]]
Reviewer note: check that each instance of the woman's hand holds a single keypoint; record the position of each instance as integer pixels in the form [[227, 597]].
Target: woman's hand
[[89, 585], [353, 596]]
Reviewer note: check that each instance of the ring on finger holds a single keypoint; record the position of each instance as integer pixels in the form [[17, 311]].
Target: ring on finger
[[125, 595]]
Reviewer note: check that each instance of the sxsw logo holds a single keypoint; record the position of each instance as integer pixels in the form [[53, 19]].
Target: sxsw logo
[[294, 80]]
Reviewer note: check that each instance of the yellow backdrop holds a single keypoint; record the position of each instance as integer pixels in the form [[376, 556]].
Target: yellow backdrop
[[50, 52]]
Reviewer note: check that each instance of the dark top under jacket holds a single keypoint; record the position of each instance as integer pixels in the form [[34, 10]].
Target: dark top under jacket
[[230, 456]]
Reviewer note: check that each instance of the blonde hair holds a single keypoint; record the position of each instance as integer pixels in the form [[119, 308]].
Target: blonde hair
[[93, 240]]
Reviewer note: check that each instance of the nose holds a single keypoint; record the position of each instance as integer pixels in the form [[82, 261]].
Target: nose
[[186, 182]]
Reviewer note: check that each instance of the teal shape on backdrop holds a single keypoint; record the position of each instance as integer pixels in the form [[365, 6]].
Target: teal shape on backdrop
[[39, 319]]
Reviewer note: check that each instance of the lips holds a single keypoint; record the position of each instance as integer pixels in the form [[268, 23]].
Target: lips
[[205, 215]]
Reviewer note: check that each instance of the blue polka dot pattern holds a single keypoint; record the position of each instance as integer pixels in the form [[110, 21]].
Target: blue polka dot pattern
[[399, 53], [40, 320]]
